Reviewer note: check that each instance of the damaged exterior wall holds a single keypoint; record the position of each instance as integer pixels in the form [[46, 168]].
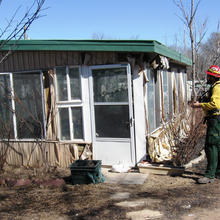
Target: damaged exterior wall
[[41, 60], [163, 138], [162, 142], [54, 152], [36, 154], [51, 151]]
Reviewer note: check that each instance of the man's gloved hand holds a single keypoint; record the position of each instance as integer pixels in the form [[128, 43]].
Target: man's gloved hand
[[196, 105]]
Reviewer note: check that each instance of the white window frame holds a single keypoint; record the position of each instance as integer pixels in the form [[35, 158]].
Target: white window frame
[[70, 103], [14, 121]]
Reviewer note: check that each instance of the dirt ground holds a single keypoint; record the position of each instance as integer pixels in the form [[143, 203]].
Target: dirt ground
[[167, 197]]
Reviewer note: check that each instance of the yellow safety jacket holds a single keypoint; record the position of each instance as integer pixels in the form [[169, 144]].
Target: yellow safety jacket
[[213, 106]]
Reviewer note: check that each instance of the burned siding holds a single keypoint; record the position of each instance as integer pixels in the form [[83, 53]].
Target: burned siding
[[40, 153], [162, 140], [40, 60], [52, 150]]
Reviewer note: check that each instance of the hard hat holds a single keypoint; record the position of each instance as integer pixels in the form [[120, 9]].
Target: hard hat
[[214, 71]]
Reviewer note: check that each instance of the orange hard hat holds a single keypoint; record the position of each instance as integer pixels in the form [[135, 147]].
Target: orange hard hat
[[214, 70]]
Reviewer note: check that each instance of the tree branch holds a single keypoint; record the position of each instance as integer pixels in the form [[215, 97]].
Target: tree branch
[[17, 31]]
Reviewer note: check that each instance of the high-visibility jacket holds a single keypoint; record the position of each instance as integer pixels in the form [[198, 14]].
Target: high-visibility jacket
[[212, 107]]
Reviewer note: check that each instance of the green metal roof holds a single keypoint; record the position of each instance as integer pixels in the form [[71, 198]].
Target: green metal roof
[[144, 46]]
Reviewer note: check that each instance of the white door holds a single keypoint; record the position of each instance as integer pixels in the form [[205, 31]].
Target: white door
[[112, 114]]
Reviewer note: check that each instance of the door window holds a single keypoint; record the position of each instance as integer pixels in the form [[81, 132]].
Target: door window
[[110, 85], [111, 106], [112, 121]]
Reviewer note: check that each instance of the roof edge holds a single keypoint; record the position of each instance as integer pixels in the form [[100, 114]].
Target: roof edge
[[143, 46]]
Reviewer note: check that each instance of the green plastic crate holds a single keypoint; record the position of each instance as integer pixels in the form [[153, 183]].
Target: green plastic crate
[[86, 171]]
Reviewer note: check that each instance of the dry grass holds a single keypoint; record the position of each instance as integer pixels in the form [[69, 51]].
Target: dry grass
[[166, 194]]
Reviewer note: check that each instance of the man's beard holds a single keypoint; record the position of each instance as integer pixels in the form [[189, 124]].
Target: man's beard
[[209, 81]]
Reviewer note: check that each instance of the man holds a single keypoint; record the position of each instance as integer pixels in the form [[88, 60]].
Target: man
[[211, 109]]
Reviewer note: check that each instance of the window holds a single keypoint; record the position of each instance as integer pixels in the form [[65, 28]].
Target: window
[[179, 91], [185, 86], [158, 95], [69, 102], [21, 102], [111, 104], [6, 116], [175, 93], [165, 95], [170, 88], [151, 101]]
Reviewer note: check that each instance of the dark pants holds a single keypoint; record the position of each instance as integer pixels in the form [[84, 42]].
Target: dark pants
[[212, 147]]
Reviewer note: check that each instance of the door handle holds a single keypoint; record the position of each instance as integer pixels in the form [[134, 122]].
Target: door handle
[[129, 123]]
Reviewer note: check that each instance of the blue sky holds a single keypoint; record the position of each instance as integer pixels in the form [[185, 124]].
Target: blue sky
[[115, 19]]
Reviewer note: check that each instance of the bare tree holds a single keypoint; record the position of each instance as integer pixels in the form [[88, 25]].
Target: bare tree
[[98, 36], [16, 29], [196, 36], [102, 36], [210, 51]]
